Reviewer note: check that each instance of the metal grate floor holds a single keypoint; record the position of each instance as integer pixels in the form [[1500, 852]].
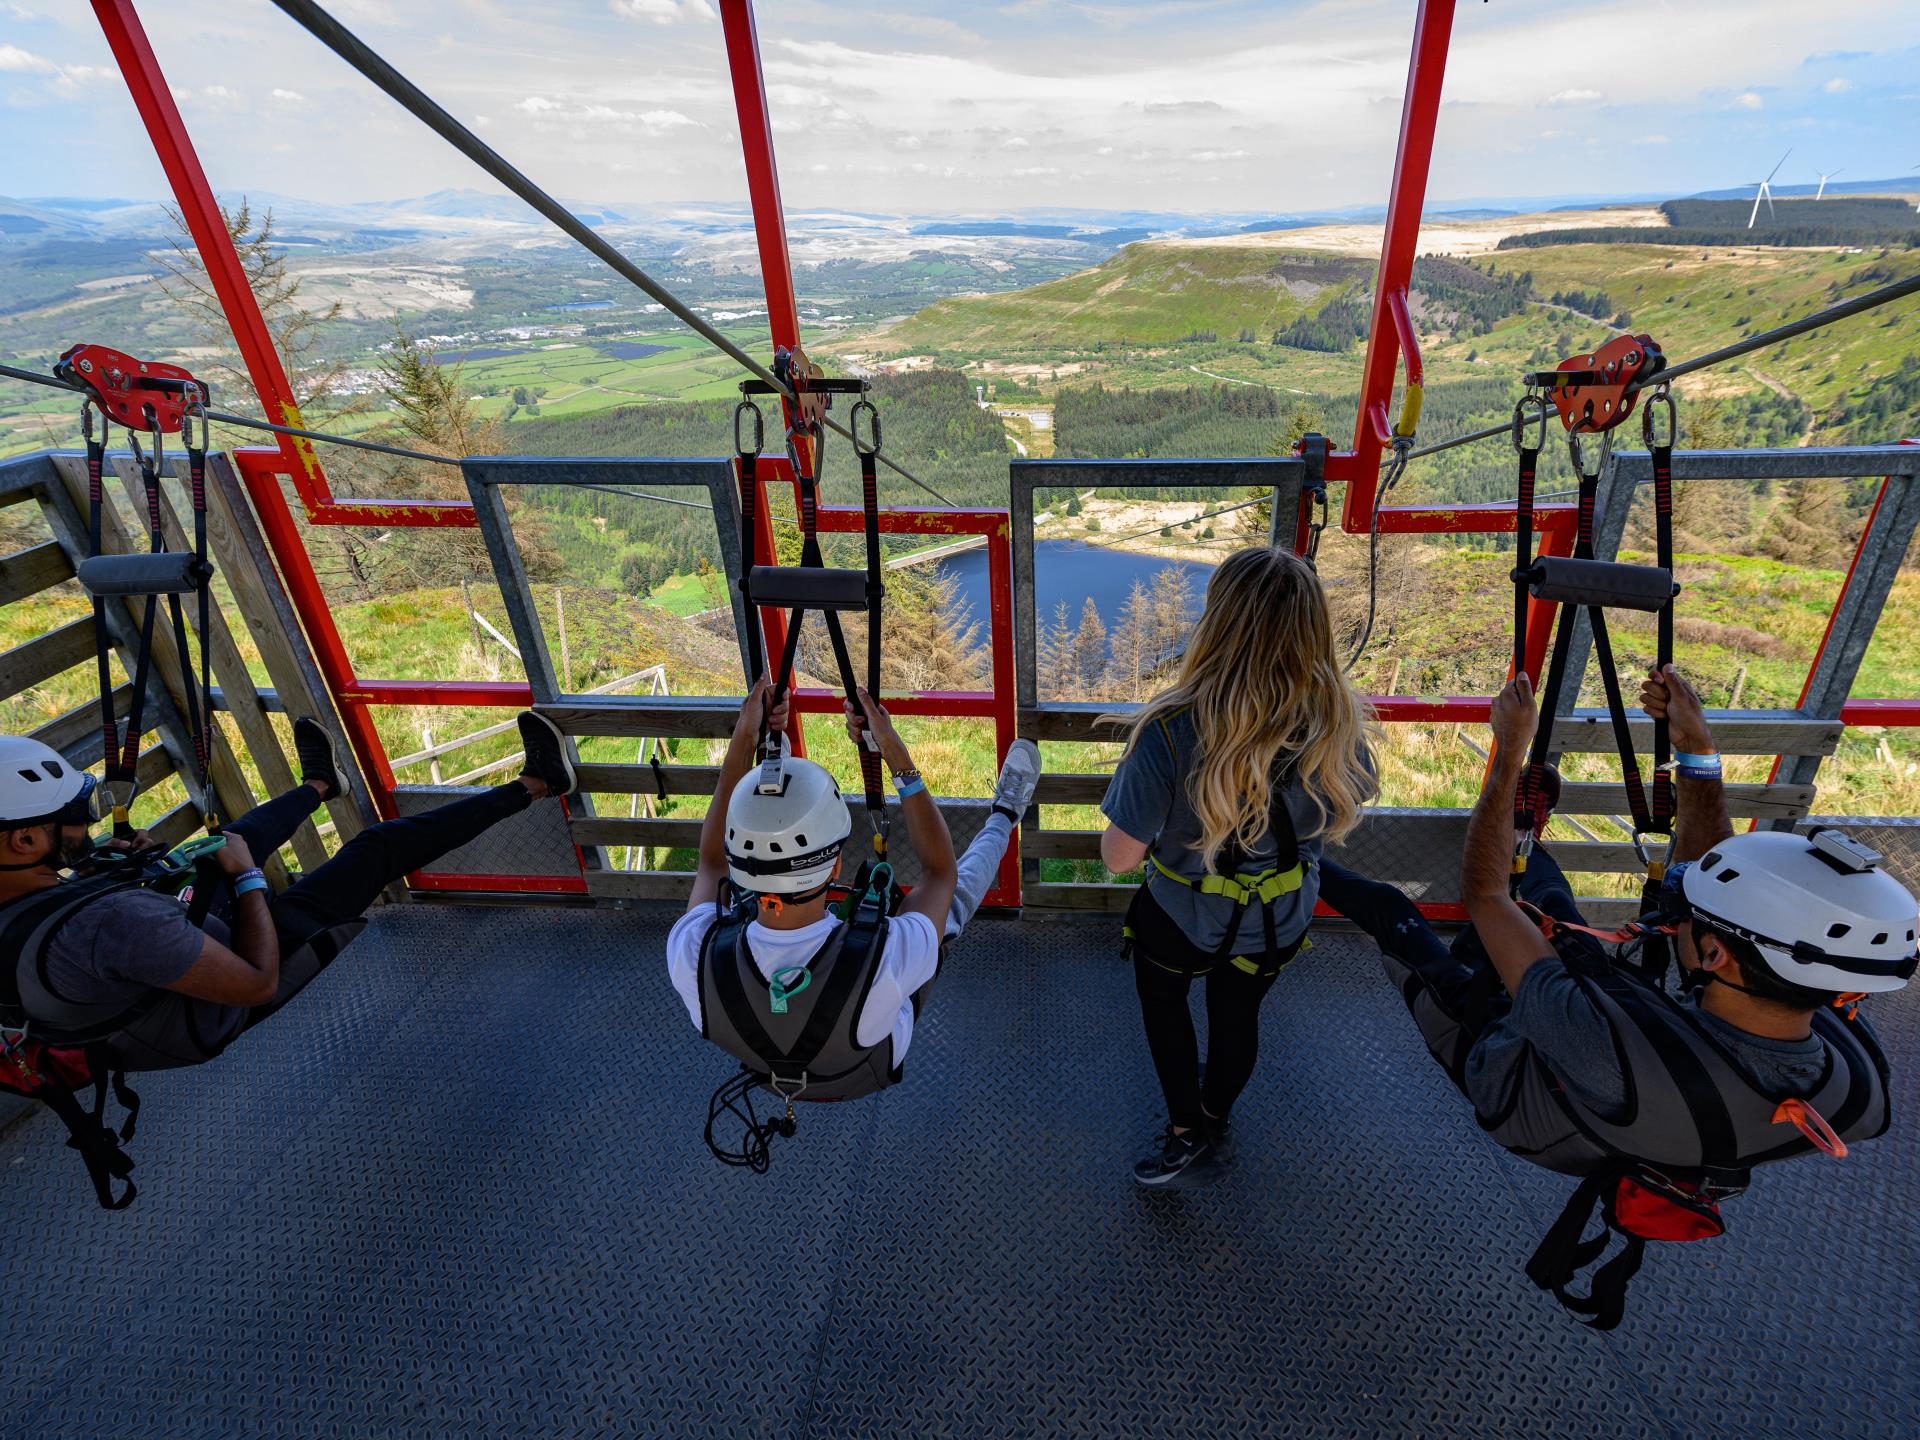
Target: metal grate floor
[[459, 1189]]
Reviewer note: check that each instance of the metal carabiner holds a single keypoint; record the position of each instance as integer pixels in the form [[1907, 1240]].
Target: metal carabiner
[[746, 407], [1580, 460], [86, 422], [159, 439], [867, 407], [1532, 409], [195, 405], [1661, 397]]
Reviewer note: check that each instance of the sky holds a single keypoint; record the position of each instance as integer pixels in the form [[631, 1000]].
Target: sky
[[972, 107]]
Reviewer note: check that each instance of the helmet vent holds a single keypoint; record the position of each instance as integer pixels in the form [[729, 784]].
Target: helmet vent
[[1879, 939], [52, 767], [1725, 875], [801, 841], [747, 846], [774, 846], [1836, 930], [30, 776], [1711, 860]]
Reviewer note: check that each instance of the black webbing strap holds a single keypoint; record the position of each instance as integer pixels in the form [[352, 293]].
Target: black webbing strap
[[1566, 1250], [869, 454], [109, 722], [732, 991], [747, 462], [89, 1136], [1529, 437], [199, 706], [839, 994]]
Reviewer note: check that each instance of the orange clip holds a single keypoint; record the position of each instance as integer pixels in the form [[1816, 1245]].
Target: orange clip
[[1812, 1124]]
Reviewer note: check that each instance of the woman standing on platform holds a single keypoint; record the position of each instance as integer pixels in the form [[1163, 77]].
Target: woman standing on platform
[[1231, 782]]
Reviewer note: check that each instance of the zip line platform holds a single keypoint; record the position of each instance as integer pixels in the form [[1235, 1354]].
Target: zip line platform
[[459, 1188]]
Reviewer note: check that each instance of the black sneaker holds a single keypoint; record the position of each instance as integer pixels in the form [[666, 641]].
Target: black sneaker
[[313, 748], [546, 753], [1220, 1136], [1182, 1161]]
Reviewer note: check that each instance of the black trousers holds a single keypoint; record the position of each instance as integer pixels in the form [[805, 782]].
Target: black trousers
[[346, 886], [1233, 999], [1450, 989]]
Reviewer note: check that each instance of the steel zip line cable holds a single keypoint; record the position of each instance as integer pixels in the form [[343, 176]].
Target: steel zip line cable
[[53, 382], [1898, 290], [350, 48]]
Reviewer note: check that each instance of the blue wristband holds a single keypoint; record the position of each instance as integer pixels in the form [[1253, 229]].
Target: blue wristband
[[1696, 762], [248, 881], [915, 786]]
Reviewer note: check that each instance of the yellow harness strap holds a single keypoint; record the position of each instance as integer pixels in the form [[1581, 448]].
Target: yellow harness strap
[[1266, 887]]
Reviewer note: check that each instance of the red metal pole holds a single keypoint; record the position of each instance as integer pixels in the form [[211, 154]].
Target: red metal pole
[[1360, 467], [191, 191]]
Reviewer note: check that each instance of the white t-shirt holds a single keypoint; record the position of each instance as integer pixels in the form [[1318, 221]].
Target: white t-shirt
[[911, 957]]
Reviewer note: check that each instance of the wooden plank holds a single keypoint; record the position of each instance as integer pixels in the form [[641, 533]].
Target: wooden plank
[[1059, 844], [640, 884], [1098, 899], [178, 824], [1759, 802], [46, 656], [1736, 732], [23, 479], [640, 779], [262, 606], [642, 830], [696, 718], [1590, 857], [76, 734], [1062, 721], [153, 766], [1071, 789], [28, 572]]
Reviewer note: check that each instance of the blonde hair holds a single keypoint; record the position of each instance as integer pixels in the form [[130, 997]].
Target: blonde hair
[[1261, 679]]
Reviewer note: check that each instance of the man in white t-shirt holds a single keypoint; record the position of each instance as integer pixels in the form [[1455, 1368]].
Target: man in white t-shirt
[[757, 936]]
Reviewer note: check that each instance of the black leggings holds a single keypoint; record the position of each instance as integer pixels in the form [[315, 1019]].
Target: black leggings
[[1233, 1033], [346, 886]]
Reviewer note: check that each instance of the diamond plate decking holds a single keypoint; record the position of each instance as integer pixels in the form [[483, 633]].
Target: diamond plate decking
[[459, 1189]]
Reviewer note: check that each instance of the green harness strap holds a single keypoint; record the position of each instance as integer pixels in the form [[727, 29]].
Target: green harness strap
[[1266, 887]]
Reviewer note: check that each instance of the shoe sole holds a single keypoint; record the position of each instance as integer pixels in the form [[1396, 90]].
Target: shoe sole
[[559, 750]]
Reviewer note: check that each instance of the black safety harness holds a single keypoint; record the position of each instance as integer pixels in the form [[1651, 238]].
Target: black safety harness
[[1582, 582], [812, 584], [52, 1063]]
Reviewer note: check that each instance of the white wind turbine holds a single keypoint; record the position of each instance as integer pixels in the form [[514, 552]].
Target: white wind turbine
[[1824, 178], [1765, 192]]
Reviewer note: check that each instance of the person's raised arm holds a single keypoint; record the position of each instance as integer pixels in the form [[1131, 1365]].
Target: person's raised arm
[[1700, 802], [246, 972], [1512, 941], [712, 868], [926, 827]]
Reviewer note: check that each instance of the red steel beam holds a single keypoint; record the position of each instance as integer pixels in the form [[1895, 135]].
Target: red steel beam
[[191, 191], [1360, 467]]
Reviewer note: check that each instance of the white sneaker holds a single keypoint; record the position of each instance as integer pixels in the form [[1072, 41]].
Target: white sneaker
[[1013, 792]]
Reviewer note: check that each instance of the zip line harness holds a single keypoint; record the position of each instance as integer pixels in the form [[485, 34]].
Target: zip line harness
[[812, 584], [158, 400], [1594, 394], [51, 1063]]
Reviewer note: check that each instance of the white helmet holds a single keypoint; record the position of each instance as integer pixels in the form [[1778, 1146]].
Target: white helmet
[[785, 842], [36, 783], [1816, 906]]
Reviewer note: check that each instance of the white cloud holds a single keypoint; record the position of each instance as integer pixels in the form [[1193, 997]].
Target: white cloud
[[1032, 170], [1747, 100], [12, 57], [289, 97], [1575, 96], [1652, 140], [663, 12], [929, 27], [1214, 157], [647, 122], [1839, 85], [1017, 142]]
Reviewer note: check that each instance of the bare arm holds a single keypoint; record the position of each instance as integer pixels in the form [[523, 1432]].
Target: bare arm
[[1700, 806], [926, 827], [248, 972], [712, 868], [1120, 852], [1512, 941]]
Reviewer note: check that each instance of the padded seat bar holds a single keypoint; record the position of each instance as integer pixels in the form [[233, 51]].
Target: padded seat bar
[[168, 572], [1608, 583], [808, 587]]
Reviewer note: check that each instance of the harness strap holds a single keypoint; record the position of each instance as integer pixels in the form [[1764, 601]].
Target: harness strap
[[89, 1136], [829, 1009]]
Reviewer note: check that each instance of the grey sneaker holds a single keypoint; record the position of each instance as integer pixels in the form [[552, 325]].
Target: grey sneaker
[[313, 748], [546, 753], [1183, 1161], [1013, 793]]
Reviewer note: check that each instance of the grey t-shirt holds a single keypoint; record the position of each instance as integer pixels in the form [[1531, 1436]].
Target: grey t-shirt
[[1553, 1015], [1148, 799], [125, 944]]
